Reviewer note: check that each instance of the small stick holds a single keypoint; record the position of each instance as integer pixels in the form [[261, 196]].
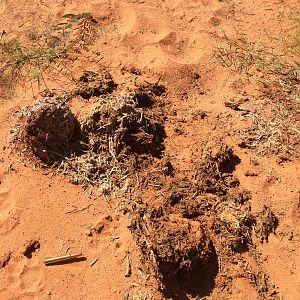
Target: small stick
[[76, 210], [94, 261], [128, 271], [53, 260]]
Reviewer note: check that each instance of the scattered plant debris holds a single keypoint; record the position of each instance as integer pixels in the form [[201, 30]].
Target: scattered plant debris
[[143, 293], [261, 282], [272, 132]]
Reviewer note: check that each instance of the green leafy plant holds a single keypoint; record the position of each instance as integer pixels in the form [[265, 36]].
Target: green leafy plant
[[30, 59]]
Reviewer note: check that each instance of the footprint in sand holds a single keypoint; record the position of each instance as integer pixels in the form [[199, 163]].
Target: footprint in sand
[[172, 44], [7, 203], [23, 280], [31, 278], [128, 21], [2, 6]]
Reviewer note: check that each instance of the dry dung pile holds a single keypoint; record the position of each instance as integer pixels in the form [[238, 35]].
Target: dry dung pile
[[99, 152], [118, 125], [116, 136], [174, 243], [48, 129], [202, 217], [215, 174]]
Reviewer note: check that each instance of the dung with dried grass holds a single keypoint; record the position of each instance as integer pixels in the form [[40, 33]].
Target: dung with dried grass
[[265, 223], [99, 152], [204, 218], [119, 126], [118, 138], [47, 130], [173, 247]]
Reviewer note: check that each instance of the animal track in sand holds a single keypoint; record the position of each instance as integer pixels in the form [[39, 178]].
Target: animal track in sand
[[31, 278], [194, 5], [128, 22], [155, 42], [7, 203], [2, 6]]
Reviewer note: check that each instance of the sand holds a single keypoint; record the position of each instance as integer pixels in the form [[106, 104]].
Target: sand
[[173, 41]]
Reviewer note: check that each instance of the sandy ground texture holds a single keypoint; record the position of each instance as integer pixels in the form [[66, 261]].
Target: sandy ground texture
[[198, 195]]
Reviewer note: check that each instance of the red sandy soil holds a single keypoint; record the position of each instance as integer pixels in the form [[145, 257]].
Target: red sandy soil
[[174, 39]]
